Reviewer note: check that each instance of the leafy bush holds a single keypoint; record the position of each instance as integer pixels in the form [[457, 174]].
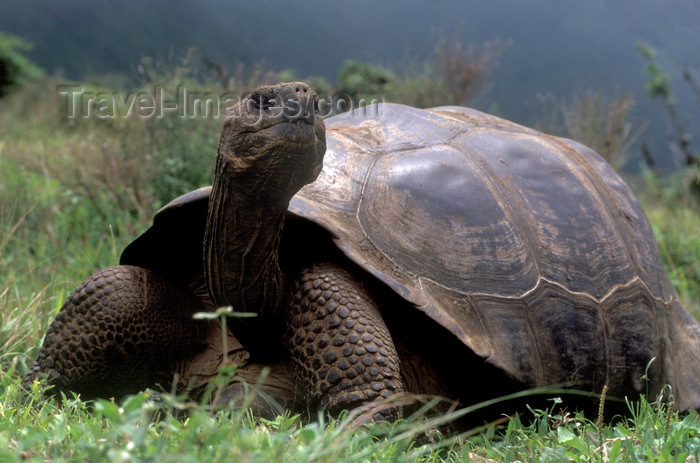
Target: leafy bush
[[679, 141], [15, 68], [363, 81]]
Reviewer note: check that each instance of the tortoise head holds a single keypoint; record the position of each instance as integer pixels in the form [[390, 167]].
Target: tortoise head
[[274, 139]]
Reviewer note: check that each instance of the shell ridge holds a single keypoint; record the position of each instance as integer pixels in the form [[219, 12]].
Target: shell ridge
[[539, 373], [578, 294]]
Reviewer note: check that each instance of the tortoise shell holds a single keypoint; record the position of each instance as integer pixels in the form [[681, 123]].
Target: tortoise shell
[[529, 248]]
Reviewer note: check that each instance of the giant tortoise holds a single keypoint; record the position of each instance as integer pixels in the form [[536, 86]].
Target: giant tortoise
[[441, 251]]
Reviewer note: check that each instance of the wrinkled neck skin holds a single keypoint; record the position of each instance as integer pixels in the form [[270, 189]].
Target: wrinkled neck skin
[[242, 237]]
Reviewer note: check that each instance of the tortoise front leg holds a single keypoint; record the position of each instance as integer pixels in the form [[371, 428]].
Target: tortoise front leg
[[122, 330], [342, 350]]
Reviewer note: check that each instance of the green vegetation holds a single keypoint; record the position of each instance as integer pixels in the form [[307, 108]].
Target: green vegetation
[[453, 75], [15, 69], [678, 139], [74, 191], [674, 213]]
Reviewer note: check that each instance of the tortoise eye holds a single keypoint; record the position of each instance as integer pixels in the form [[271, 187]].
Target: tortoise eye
[[260, 101]]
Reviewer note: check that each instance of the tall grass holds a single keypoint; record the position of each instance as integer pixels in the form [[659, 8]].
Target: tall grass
[[594, 119], [73, 192]]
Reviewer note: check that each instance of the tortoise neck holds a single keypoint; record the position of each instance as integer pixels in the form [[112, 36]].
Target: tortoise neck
[[241, 242]]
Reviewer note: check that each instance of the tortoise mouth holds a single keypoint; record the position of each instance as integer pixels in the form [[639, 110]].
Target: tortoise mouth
[[296, 131], [281, 122], [292, 125]]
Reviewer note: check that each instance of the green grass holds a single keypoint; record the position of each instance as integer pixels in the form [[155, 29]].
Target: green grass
[[150, 427], [145, 429], [57, 226]]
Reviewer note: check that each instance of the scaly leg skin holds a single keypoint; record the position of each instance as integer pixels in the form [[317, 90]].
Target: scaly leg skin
[[342, 350], [122, 330]]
